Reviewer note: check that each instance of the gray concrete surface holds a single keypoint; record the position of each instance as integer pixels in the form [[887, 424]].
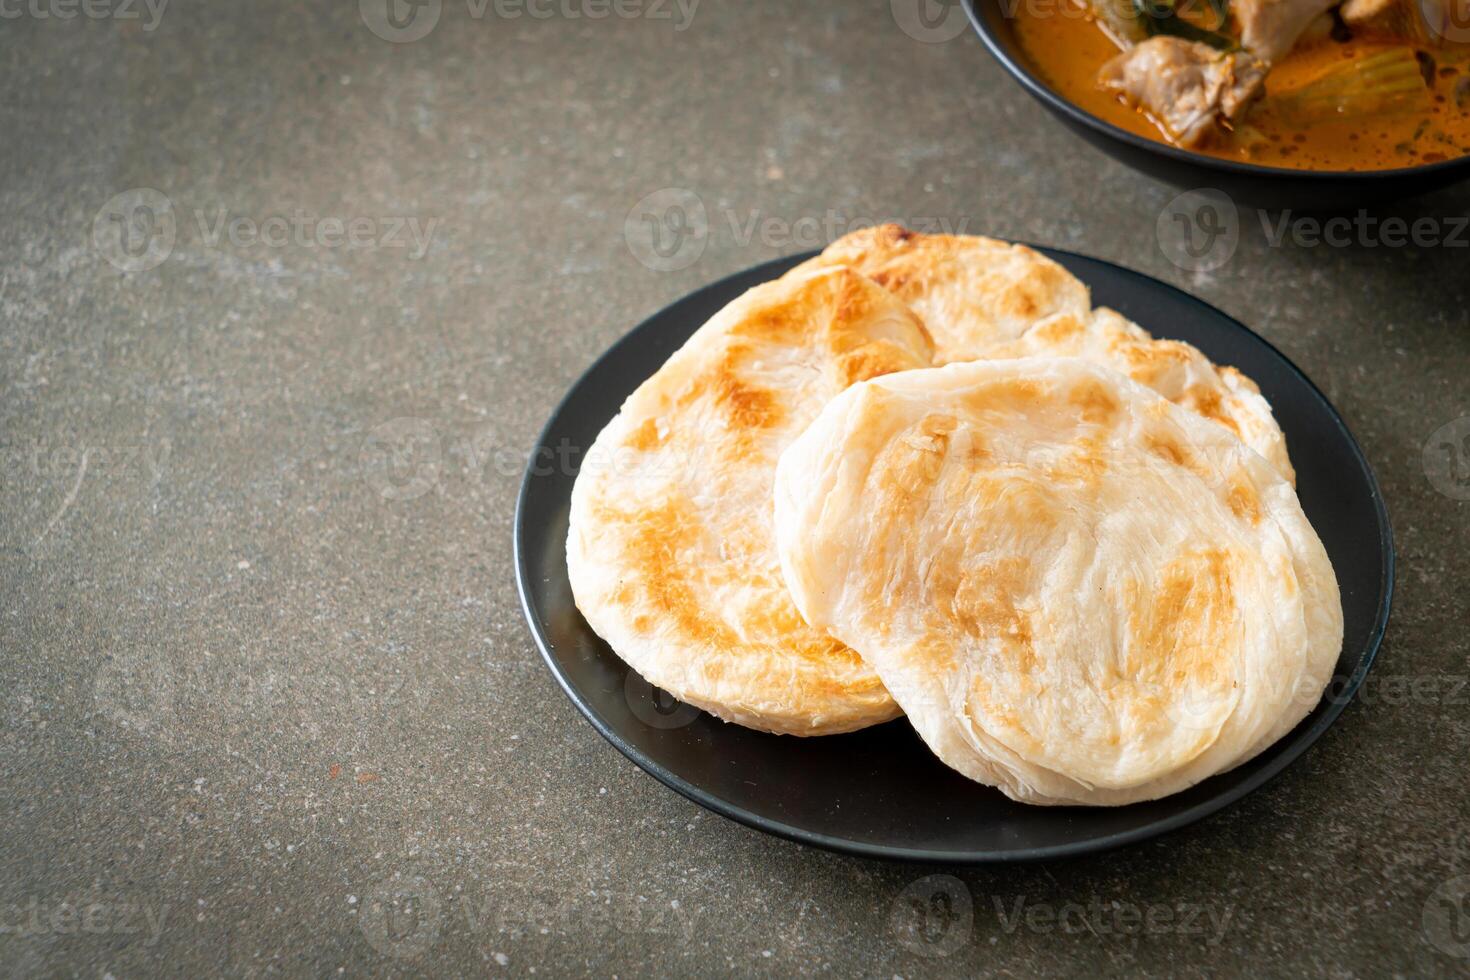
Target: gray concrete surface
[[267, 706]]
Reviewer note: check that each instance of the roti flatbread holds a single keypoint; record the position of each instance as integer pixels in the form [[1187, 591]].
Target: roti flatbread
[[982, 299], [1174, 369], [1076, 590], [671, 551], [971, 292]]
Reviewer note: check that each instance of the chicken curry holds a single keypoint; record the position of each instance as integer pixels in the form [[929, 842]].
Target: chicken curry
[[1308, 84]]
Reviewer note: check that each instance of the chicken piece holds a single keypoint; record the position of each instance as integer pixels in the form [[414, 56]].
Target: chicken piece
[[1320, 29], [1269, 28], [1119, 20], [1186, 85], [1183, 84], [1417, 20]]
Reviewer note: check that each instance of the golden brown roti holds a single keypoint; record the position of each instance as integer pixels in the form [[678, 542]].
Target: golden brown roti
[[971, 292], [1174, 369], [1077, 591], [671, 551], [982, 298]]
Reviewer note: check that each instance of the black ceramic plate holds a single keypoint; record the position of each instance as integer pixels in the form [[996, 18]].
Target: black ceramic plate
[[880, 792]]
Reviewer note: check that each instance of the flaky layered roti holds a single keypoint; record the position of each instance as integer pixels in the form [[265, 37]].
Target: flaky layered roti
[[982, 299], [671, 550], [1077, 591], [971, 292], [1174, 369]]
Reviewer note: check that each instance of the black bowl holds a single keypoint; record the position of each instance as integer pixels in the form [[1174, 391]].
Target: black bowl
[[1246, 183]]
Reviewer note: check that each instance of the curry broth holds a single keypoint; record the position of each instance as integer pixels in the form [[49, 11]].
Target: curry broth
[[1066, 48]]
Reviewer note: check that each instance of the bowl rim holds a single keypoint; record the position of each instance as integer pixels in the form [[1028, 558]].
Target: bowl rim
[[1053, 100]]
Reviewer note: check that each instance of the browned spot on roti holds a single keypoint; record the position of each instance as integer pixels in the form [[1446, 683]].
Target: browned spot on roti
[[1084, 461], [1163, 443], [655, 541], [749, 406], [745, 404], [986, 604], [872, 361], [1098, 405], [1165, 446], [644, 437], [1058, 330], [1244, 502], [1180, 632], [1005, 396], [660, 586], [1206, 401]]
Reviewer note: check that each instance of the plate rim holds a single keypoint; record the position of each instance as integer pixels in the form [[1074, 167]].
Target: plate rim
[[1300, 742]]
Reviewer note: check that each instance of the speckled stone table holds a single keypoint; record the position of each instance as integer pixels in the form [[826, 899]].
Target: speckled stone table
[[286, 291]]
